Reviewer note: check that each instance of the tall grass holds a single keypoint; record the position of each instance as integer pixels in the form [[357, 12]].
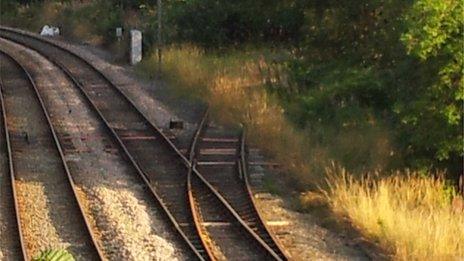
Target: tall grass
[[232, 84], [410, 216], [414, 217]]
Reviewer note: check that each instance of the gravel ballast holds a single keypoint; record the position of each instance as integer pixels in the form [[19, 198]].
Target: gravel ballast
[[124, 217]]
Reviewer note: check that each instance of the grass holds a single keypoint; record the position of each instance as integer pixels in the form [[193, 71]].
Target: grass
[[232, 84], [235, 84], [409, 215], [412, 216]]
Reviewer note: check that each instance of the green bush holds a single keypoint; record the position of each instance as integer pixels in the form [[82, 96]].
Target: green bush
[[213, 23], [435, 35], [54, 255], [398, 64]]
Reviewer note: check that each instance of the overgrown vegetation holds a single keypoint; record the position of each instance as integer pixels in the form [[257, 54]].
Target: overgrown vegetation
[[376, 86], [411, 214], [415, 217], [232, 85]]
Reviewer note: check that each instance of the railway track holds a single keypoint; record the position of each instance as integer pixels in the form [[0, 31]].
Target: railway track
[[12, 246], [183, 193], [89, 148], [49, 210], [222, 160], [119, 127]]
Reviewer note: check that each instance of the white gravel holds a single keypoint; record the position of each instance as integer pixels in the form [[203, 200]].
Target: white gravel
[[34, 213]]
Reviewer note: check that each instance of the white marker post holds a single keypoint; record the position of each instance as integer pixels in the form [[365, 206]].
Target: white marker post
[[136, 47], [119, 33]]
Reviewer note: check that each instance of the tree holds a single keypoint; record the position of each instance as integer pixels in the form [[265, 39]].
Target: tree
[[435, 36]]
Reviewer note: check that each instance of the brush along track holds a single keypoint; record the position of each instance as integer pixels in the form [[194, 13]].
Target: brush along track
[[153, 151], [222, 161], [49, 210], [11, 246], [123, 214]]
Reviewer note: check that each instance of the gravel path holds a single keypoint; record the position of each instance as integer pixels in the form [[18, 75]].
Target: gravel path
[[125, 218]]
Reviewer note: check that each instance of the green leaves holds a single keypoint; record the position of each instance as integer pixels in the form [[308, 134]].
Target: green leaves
[[433, 27], [435, 35], [54, 255]]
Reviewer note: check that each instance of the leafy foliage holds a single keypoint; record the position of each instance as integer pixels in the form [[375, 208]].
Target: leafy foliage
[[435, 35], [54, 255], [213, 23], [395, 64]]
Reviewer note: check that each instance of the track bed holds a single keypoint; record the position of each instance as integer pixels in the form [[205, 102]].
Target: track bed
[[48, 209]]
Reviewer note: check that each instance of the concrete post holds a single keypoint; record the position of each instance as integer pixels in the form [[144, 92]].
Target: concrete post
[[136, 46]]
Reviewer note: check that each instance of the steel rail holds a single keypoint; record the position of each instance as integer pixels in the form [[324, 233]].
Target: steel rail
[[165, 139], [60, 151], [192, 158], [120, 143], [12, 174], [123, 147], [261, 228], [243, 167], [132, 160], [193, 207]]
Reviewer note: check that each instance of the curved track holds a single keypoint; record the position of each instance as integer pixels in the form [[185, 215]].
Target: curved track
[[13, 245], [119, 120], [152, 153], [134, 136], [37, 159], [222, 161]]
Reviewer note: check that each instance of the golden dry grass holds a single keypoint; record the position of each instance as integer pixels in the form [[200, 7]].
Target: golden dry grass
[[411, 216], [233, 87]]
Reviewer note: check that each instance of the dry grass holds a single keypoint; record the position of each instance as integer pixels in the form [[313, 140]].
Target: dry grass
[[410, 216], [413, 217], [233, 87]]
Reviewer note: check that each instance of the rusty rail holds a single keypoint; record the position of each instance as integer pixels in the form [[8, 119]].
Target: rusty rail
[[165, 139], [118, 140], [12, 174], [193, 207], [243, 167], [63, 161], [275, 252]]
